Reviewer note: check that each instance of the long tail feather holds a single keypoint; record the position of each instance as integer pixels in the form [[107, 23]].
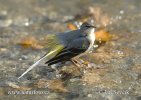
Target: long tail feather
[[38, 62], [32, 66]]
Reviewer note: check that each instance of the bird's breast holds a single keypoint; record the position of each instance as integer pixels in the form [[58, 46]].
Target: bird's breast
[[91, 39]]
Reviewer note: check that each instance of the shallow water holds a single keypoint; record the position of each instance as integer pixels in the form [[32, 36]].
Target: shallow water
[[120, 58]]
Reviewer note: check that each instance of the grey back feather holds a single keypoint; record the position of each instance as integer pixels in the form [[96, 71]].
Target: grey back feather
[[80, 43], [67, 37]]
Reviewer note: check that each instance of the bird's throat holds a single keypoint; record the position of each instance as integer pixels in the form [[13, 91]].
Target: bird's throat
[[91, 38]]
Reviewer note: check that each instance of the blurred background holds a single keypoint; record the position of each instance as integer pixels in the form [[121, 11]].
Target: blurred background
[[115, 64]]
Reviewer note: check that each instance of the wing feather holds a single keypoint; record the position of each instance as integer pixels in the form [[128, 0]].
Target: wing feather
[[73, 49]]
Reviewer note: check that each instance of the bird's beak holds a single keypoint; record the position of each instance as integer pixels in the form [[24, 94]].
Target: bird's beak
[[93, 26]]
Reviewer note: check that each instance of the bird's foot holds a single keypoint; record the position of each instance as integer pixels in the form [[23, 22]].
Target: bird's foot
[[76, 63], [80, 63], [86, 64]]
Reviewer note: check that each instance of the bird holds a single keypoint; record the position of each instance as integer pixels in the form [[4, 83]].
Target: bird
[[68, 46]]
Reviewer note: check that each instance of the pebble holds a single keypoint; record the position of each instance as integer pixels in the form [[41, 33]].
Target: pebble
[[5, 23], [121, 11]]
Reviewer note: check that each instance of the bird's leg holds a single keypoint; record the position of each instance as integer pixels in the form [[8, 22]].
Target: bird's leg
[[78, 64], [75, 62]]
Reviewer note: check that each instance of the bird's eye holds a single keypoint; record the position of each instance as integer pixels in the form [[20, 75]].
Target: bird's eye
[[88, 26]]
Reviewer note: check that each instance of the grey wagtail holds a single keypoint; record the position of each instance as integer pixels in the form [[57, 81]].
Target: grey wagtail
[[67, 46]]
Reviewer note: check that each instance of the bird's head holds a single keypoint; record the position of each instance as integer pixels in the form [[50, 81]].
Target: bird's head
[[87, 28]]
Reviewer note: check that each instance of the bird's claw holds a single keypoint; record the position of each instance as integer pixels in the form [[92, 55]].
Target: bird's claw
[[81, 63]]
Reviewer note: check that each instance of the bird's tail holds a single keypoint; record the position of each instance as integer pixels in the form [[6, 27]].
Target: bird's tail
[[51, 53]]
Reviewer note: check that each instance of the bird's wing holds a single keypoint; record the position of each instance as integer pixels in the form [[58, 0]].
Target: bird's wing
[[74, 48], [80, 43]]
